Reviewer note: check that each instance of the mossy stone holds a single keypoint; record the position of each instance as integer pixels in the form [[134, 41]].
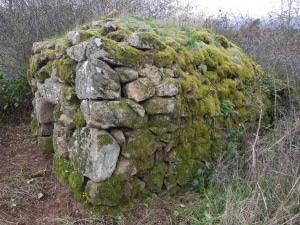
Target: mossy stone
[[123, 54], [34, 126], [65, 68], [56, 112], [78, 119], [107, 193], [87, 34], [62, 167], [76, 183], [165, 58], [154, 181], [105, 139], [46, 143], [140, 148]]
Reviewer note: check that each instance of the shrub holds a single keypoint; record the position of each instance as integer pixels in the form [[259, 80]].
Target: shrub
[[15, 101]]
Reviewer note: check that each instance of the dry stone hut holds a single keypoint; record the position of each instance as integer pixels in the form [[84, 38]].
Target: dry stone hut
[[132, 107]]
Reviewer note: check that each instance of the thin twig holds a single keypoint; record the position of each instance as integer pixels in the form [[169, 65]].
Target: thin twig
[[255, 141]]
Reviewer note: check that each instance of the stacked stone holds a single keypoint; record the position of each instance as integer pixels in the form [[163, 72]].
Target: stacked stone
[[111, 104], [129, 114]]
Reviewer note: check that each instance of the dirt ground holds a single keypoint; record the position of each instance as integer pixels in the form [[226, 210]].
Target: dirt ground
[[31, 194]]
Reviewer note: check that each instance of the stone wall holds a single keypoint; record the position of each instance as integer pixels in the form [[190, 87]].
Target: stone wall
[[131, 107]]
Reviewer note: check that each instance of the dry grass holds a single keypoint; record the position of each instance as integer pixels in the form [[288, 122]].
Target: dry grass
[[268, 195]]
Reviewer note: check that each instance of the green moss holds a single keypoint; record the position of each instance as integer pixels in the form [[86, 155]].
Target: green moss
[[185, 59], [118, 35], [48, 53], [109, 192], [85, 35], [154, 181], [68, 93], [62, 167], [140, 148], [76, 183], [137, 187], [223, 41], [183, 172], [78, 119], [165, 58], [65, 68], [152, 40], [123, 54], [56, 112], [46, 143], [204, 36], [34, 126], [35, 63], [61, 47], [105, 139], [44, 72]]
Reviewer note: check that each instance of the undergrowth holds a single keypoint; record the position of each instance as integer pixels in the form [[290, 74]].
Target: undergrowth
[[15, 101], [268, 194]]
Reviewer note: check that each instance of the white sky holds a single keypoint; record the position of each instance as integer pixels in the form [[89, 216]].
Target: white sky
[[256, 8]]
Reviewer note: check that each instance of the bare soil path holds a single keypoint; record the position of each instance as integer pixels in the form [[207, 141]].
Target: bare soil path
[[30, 194], [29, 191]]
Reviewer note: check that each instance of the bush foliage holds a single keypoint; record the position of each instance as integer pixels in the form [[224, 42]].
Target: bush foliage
[[15, 101]]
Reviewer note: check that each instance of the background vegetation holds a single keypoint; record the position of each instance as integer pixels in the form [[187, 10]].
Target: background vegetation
[[254, 183]]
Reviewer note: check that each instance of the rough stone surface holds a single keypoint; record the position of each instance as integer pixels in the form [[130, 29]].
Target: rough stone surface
[[161, 106], [77, 52], [44, 110], [168, 87], [67, 121], [37, 47], [106, 114], [61, 138], [96, 80], [144, 41], [45, 143], [46, 129], [139, 90], [152, 73], [119, 136], [50, 90], [94, 153], [73, 37], [127, 74], [109, 27]]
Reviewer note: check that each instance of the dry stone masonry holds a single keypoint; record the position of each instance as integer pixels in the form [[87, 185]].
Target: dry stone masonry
[[132, 107]]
